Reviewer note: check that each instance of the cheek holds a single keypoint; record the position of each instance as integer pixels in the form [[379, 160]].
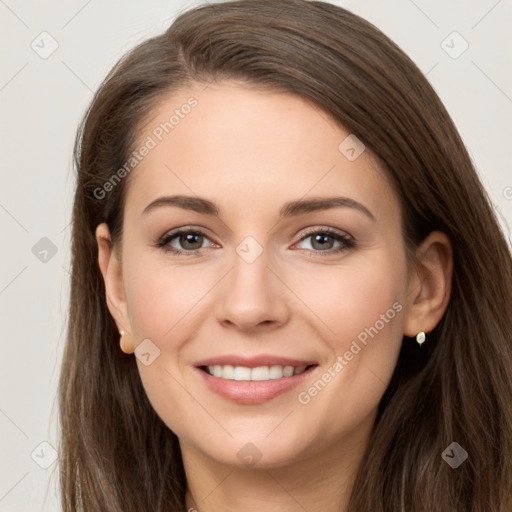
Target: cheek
[[163, 303], [362, 304], [161, 296], [350, 299]]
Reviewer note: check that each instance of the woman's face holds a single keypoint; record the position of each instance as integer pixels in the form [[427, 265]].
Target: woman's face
[[303, 261]]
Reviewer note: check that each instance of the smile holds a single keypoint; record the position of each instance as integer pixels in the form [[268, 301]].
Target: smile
[[255, 385]]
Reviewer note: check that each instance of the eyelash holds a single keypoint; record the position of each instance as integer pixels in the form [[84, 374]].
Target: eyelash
[[348, 242]]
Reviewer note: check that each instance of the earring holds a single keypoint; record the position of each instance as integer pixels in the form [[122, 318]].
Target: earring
[[420, 338], [125, 343]]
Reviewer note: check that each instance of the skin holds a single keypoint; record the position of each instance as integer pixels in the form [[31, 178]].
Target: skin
[[250, 151]]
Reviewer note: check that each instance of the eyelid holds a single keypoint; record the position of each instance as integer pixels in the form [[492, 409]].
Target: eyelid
[[324, 229], [185, 229]]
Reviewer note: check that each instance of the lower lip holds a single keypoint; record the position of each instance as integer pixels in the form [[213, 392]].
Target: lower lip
[[251, 392]]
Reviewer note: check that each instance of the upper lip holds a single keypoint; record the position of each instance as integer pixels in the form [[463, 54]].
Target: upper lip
[[254, 361]]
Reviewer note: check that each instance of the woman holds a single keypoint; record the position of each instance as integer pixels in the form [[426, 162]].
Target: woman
[[289, 287]]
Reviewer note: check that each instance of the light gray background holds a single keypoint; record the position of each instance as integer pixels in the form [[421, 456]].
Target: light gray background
[[41, 102]]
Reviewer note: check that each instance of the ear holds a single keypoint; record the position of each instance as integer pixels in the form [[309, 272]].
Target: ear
[[429, 286], [111, 269]]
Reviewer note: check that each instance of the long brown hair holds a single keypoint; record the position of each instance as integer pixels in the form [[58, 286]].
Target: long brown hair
[[116, 454]]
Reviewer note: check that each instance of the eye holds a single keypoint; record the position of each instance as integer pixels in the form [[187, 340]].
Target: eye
[[188, 241], [192, 242], [324, 240]]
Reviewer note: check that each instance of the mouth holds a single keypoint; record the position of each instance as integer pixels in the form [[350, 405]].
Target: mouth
[[253, 385]]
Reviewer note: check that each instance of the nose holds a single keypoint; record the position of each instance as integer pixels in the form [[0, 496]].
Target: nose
[[252, 296]]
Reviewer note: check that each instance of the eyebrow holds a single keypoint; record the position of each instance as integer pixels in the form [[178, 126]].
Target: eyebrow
[[290, 209]]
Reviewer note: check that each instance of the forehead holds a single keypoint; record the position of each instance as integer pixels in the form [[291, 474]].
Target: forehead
[[252, 148]]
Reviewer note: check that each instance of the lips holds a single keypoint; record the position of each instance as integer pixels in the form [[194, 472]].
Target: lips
[[254, 361]]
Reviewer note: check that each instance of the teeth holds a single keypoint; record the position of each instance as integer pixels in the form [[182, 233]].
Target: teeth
[[258, 373]]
